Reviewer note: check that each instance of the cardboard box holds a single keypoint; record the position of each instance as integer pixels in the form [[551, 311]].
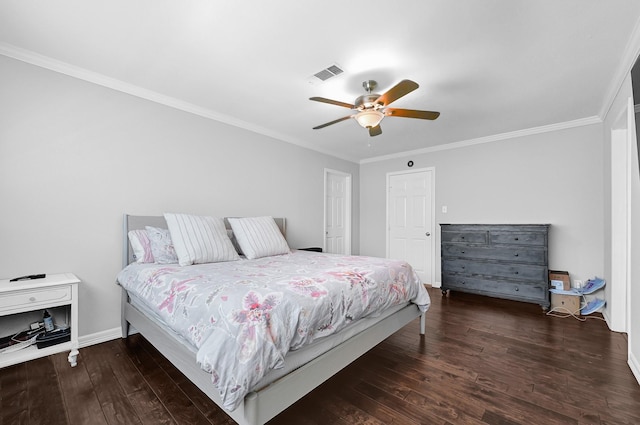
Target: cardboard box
[[559, 276], [565, 303]]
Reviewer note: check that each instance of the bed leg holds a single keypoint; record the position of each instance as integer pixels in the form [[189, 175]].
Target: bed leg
[[422, 324], [125, 329], [124, 325]]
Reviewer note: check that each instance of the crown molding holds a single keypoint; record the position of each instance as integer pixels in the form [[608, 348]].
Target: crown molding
[[137, 91], [629, 57], [114, 84], [61, 67], [489, 139]]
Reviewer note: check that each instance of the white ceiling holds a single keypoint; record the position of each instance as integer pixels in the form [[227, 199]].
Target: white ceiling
[[489, 66]]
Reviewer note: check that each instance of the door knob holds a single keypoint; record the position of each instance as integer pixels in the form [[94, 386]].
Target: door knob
[[427, 234]]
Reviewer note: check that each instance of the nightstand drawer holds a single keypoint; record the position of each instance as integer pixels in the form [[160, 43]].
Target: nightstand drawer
[[33, 298]]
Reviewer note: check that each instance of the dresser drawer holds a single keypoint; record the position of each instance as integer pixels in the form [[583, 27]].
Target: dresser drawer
[[517, 291], [532, 273], [34, 298], [466, 237], [519, 238], [525, 254]]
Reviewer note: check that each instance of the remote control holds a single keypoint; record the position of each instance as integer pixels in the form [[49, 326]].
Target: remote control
[[29, 277]]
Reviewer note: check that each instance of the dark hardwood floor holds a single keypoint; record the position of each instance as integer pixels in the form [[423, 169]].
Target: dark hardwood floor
[[483, 361]]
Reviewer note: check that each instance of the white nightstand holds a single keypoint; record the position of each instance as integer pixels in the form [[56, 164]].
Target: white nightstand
[[23, 302]]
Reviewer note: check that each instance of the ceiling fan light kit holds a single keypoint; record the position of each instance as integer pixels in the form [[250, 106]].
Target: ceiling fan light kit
[[372, 108], [369, 118]]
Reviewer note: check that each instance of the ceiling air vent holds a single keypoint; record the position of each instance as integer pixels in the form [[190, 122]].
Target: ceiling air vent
[[325, 74]]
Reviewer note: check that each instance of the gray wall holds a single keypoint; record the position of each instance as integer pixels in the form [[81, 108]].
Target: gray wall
[[75, 156], [553, 177]]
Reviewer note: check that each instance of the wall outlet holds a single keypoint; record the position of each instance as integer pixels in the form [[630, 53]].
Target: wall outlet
[[444, 209]]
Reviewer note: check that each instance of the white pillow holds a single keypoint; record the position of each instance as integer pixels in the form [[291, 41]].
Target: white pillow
[[258, 237], [141, 246], [200, 239]]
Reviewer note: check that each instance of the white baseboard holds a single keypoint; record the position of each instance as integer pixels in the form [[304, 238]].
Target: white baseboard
[[635, 366], [607, 320], [99, 337]]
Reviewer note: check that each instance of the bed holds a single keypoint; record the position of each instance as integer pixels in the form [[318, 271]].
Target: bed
[[313, 353]]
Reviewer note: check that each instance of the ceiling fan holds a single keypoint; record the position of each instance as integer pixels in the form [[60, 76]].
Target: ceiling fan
[[371, 108]]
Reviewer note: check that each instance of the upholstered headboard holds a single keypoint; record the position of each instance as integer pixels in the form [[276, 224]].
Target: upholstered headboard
[[133, 222]]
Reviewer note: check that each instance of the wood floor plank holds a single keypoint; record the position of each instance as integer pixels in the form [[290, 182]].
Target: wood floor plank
[[207, 407], [115, 404], [399, 405], [149, 408], [45, 401], [14, 395], [122, 367], [80, 396], [178, 405]]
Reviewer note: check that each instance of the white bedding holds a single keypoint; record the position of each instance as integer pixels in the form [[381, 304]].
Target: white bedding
[[244, 316]]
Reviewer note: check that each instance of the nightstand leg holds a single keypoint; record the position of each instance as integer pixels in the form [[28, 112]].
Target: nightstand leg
[[73, 357]]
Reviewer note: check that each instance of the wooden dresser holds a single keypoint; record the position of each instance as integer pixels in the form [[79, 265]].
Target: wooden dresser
[[498, 260]]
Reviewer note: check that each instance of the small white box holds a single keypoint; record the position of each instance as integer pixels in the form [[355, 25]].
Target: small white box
[[557, 284]]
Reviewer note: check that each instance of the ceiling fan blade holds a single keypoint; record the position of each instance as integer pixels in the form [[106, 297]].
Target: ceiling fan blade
[[411, 113], [375, 131], [332, 122], [396, 92], [333, 102]]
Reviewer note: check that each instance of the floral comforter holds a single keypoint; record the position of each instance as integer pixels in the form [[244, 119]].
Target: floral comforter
[[244, 316]]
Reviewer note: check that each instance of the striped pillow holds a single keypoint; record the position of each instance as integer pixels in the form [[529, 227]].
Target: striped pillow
[[200, 239], [258, 237]]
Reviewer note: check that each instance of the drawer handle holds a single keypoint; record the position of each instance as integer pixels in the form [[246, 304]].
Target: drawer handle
[[517, 272], [32, 299], [462, 252], [463, 282], [516, 254], [517, 239], [517, 289]]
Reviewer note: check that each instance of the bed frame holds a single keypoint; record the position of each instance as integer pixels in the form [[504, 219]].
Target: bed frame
[[260, 406]]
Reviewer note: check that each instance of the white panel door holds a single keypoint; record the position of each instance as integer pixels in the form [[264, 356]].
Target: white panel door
[[337, 213], [410, 221]]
